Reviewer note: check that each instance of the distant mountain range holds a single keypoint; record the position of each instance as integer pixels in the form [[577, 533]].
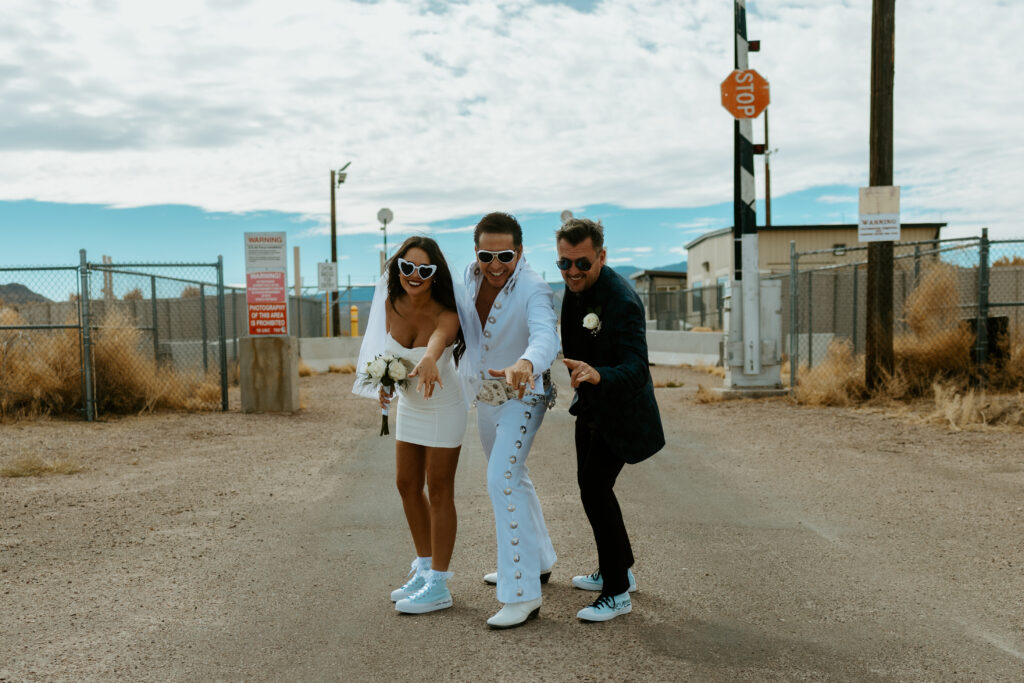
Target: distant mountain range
[[17, 293]]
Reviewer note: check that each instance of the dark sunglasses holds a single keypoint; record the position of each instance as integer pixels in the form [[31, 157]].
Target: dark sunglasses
[[583, 264], [407, 268], [505, 256]]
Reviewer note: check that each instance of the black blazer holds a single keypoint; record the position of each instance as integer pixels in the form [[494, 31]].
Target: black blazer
[[622, 407]]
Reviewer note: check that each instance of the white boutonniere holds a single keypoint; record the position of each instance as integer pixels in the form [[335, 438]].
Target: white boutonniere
[[592, 322]]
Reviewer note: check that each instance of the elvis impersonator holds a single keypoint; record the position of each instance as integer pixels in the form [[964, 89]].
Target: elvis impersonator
[[519, 344]]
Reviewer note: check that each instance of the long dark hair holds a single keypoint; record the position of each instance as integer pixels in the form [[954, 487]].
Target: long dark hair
[[442, 290]]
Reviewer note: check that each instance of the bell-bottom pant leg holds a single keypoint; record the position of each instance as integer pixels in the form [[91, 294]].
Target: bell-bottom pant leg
[[524, 546], [596, 471]]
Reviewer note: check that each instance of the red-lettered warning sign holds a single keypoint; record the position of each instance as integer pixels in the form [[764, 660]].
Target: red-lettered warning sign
[[266, 271]]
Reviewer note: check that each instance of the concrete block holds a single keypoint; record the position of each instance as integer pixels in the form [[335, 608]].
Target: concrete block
[[319, 353], [666, 347], [269, 374]]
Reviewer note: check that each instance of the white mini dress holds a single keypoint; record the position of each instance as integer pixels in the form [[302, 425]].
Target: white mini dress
[[438, 421]]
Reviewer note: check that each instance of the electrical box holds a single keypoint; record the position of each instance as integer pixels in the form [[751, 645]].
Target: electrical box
[[769, 339]]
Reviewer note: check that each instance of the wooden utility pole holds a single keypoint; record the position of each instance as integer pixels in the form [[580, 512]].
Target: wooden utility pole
[[878, 347]]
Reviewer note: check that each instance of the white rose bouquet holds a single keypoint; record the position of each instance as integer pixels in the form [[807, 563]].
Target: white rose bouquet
[[592, 322], [386, 370]]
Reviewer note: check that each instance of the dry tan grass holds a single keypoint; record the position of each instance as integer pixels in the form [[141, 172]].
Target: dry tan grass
[[346, 369], [40, 373], [34, 466], [936, 348], [1008, 261], [670, 384], [837, 381], [705, 395], [305, 370], [933, 360], [716, 370], [975, 408]]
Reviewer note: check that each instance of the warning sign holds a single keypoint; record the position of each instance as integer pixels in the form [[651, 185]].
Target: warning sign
[[879, 214], [266, 296]]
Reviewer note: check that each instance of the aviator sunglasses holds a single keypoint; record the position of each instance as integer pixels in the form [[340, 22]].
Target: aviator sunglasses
[[407, 268], [504, 256], [583, 264]]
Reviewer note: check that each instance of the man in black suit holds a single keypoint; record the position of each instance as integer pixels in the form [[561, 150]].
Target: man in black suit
[[604, 339]]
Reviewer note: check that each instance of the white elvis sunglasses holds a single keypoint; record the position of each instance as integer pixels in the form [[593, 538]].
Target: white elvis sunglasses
[[503, 256], [407, 268]]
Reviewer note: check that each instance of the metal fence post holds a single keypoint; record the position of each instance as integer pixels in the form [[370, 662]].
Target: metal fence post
[[152, 306], [202, 324], [793, 355], [83, 311], [222, 334], [810, 319], [856, 271], [917, 263], [234, 322], [981, 345]]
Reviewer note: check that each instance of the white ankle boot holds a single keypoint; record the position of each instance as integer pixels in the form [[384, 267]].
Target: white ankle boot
[[514, 614]]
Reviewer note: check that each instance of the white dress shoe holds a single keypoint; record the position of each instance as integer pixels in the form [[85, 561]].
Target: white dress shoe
[[514, 614], [492, 578]]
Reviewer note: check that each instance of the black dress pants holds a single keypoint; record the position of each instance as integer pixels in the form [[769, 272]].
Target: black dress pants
[[596, 470]]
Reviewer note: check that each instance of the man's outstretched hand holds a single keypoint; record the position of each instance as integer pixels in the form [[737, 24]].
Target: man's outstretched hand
[[518, 375], [580, 372]]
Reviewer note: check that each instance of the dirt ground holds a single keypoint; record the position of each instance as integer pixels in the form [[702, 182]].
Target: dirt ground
[[781, 543]]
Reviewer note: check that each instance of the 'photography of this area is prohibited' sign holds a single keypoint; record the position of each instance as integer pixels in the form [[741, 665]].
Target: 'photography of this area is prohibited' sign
[[879, 214], [266, 296]]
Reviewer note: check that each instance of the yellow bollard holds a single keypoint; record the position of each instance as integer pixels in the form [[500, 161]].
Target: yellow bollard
[[353, 318]]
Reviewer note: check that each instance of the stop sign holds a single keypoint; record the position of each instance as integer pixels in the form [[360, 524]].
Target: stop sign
[[745, 94]]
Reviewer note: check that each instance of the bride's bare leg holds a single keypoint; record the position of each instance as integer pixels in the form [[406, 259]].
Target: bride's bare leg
[[441, 464], [410, 476]]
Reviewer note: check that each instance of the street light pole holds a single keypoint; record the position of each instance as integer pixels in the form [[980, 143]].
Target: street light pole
[[337, 178], [385, 216]]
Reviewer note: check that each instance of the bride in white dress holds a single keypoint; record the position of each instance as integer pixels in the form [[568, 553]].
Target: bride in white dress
[[421, 323]]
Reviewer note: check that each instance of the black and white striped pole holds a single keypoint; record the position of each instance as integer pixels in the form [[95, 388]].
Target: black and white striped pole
[[745, 214], [745, 95]]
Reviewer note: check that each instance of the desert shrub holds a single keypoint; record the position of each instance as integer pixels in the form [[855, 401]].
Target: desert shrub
[[305, 370], [128, 379], [345, 369], [975, 407], [40, 372], [34, 466], [705, 395], [133, 295], [836, 381], [189, 291], [935, 351]]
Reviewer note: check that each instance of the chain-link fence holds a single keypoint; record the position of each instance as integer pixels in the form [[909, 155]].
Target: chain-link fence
[[41, 358], [686, 309], [117, 338], [958, 310]]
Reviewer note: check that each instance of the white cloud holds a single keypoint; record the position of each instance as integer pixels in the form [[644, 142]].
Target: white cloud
[[838, 199], [624, 259], [633, 250], [240, 106]]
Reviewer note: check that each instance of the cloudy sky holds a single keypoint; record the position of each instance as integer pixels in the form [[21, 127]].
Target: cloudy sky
[[136, 127]]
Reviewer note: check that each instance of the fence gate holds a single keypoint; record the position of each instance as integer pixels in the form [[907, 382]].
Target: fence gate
[[129, 337]]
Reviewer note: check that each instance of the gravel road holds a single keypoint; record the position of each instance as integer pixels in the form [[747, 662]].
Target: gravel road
[[772, 542]]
